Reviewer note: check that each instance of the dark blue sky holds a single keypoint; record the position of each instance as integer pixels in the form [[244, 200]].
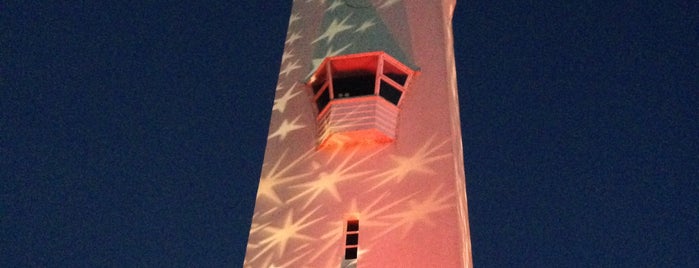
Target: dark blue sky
[[133, 134]]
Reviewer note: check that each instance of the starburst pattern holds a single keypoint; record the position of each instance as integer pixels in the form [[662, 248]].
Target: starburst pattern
[[332, 237], [279, 237], [326, 182], [417, 162], [256, 227], [388, 3], [292, 38], [279, 175], [288, 54], [293, 18], [280, 103], [306, 191], [365, 25], [370, 213], [421, 211], [289, 68], [334, 5], [334, 29], [286, 127], [329, 53], [279, 86]]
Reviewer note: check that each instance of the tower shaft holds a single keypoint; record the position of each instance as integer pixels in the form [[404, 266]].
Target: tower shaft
[[364, 164]]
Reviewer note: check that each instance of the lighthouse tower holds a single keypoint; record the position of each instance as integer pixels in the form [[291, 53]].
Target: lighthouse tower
[[363, 165]]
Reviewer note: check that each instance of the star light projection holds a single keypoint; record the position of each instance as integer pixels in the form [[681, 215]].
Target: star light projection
[[287, 127], [292, 38], [279, 237], [329, 53], [388, 210], [416, 162], [280, 103], [279, 175], [290, 67], [306, 194], [334, 29], [365, 25], [420, 211]]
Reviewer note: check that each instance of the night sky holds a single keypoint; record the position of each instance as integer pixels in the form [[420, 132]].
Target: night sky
[[133, 134]]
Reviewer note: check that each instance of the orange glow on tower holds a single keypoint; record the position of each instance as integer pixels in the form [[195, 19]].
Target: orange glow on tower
[[363, 165], [357, 98]]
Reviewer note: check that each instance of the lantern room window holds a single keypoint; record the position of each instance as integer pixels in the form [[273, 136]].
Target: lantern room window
[[357, 97], [356, 75]]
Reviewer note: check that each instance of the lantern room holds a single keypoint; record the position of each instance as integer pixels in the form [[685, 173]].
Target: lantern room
[[357, 98]]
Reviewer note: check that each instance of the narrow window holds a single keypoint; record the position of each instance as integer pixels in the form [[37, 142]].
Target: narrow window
[[323, 99], [354, 85], [390, 93], [395, 73], [352, 239]]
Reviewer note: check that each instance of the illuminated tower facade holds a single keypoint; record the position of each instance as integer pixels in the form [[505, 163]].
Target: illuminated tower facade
[[364, 164]]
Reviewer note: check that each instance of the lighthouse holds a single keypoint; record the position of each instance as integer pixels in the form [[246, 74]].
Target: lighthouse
[[363, 165]]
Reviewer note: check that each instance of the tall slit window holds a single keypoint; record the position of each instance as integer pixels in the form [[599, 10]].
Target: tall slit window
[[351, 239]]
